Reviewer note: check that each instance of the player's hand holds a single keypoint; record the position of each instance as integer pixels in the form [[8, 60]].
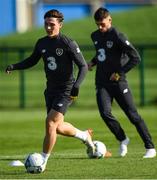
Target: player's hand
[[74, 93], [90, 66], [114, 77], [9, 69]]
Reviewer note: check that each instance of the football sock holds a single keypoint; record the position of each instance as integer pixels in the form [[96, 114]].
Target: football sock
[[45, 156], [82, 135]]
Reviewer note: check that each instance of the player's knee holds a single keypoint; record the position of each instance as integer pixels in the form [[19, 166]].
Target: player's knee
[[136, 120], [105, 115], [134, 117], [59, 128]]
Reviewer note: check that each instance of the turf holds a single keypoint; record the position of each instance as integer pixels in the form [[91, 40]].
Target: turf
[[22, 132]]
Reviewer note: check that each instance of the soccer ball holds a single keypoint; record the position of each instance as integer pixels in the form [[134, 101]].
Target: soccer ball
[[100, 150], [33, 163]]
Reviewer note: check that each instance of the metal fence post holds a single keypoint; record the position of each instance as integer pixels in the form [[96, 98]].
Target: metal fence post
[[22, 81], [142, 82]]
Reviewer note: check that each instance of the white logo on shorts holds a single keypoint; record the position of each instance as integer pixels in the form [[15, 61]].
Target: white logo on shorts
[[60, 104]]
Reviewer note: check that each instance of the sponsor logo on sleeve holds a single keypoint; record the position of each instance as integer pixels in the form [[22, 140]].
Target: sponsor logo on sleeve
[[60, 104], [77, 50], [127, 42]]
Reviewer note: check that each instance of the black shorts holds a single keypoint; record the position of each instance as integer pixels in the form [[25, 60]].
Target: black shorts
[[57, 102]]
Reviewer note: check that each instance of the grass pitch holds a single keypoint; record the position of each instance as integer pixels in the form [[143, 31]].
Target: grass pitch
[[22, 132]]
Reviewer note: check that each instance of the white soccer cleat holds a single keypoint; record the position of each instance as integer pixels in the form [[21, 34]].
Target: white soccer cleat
[[150, 153], [123, 147], [88, 142], [43, 167]]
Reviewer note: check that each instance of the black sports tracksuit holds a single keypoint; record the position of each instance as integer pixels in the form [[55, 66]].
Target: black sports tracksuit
[[114, 53], [59, 55]]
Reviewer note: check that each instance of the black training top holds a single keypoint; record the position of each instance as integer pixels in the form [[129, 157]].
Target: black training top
[[114, 53], [59, 55]]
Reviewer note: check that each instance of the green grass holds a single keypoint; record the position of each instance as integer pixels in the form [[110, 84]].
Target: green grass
[[22, 132]]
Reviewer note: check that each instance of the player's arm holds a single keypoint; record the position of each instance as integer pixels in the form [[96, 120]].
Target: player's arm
[[27, 63], [130, 61], [91, 64], [93, 61], [133, 55], [79, 60]]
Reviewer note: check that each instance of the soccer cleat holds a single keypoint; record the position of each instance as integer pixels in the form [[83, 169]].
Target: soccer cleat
[[123, 147], [150, 153], [88, 142], [43, 166]]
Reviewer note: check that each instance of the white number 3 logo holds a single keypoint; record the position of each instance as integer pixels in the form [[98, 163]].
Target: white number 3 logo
[[102, 55], [52, 63]]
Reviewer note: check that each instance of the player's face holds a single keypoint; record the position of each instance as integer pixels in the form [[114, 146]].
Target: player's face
[[52, 26], [104, 24]]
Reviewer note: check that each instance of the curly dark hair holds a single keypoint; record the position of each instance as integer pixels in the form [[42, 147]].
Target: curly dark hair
[[101, 13], [54, 13]]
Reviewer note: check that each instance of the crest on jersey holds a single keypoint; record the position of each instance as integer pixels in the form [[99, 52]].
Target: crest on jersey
[[109, 44], [59, 51], [43, 51]]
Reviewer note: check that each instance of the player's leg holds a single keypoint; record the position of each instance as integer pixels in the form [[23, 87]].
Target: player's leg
[[67, 129], [104, 101], [125, 100], [53, 119], [55, 124]]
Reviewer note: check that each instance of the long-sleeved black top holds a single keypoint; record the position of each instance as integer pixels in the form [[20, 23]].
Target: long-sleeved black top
[[114, 53], [59, 55]]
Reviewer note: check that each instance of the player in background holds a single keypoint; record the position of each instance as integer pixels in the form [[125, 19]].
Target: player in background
[[115, 56], [59, 54]]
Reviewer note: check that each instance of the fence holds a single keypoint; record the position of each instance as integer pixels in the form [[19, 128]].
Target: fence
[[141, 49], [21, 52]]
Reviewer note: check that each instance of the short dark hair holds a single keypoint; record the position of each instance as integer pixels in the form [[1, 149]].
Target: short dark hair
[[54, 13], [101, 13]]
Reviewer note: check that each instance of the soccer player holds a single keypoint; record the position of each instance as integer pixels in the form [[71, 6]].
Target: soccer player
[[115, 56], [59, 54]]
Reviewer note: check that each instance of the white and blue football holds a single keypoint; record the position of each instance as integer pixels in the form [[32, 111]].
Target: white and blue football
[[99, 152], [33, 163]]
